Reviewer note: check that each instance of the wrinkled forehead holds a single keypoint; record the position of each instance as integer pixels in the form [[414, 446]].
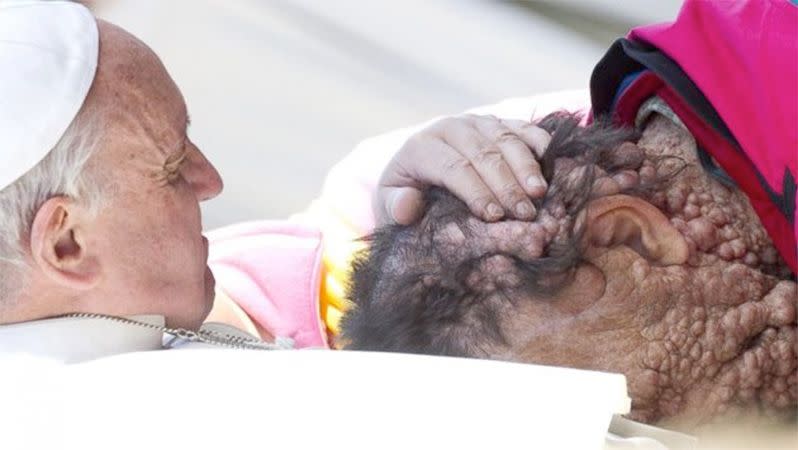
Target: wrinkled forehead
[[662, 138], [134, 90]]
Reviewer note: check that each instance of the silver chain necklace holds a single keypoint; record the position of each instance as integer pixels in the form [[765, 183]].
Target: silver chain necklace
[[204, 336]]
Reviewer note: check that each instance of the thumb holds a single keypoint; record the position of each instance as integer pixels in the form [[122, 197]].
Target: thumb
[[400, 205]]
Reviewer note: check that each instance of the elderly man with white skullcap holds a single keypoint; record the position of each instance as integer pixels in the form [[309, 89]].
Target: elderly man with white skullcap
[[101, 238]]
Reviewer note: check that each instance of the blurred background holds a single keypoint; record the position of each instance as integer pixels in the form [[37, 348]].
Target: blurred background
[[279, 90]]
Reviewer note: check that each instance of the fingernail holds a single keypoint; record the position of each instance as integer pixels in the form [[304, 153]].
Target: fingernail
[[536, 183], [495, 211], [391, 207], [524, 209]]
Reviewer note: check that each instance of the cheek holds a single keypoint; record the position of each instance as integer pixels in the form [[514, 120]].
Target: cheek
[[546, 331], [180, 245], [177, 216], [571, 342], [157, 237], [627, 290]]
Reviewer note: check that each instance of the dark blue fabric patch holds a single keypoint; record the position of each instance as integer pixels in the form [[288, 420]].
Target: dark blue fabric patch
[[625, 83]]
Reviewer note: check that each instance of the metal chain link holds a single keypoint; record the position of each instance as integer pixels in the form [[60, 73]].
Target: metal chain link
[[202, 336]]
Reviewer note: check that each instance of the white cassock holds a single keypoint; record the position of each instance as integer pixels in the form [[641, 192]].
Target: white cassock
[[119, 389]]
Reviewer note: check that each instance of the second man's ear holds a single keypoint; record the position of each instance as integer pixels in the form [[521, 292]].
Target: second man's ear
[[625, 220]]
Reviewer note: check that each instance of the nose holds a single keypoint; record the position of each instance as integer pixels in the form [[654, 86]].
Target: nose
[[201, 175]]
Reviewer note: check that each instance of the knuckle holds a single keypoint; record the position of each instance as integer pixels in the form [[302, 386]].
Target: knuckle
[[457, 165], [512, 193], [506, 137], [490, 157]]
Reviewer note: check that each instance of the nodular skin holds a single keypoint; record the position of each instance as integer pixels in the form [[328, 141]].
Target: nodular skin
[[639, 262]]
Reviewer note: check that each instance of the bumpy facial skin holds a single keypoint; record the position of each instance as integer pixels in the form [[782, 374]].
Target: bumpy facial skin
[[665, 275], [728, 337], [710, 337]]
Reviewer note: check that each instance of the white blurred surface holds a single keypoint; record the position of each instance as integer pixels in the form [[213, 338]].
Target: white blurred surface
[[279, 90], [234, 399]]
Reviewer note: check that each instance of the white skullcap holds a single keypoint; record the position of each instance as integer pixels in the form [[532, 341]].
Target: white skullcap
[[48, 58]]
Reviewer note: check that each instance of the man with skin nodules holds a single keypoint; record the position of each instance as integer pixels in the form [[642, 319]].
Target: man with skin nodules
[[639, 262], [668, 254]]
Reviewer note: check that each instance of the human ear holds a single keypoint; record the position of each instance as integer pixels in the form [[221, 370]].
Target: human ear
[[625, 220], [58, 245]]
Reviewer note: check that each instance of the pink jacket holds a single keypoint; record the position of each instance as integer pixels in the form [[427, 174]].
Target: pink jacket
[[272, 269]]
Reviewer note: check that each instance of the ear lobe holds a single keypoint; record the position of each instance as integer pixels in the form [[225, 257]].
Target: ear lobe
[[57, 245], [625, 220]]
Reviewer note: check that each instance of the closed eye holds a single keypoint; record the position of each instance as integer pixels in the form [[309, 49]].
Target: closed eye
[[171, 168]]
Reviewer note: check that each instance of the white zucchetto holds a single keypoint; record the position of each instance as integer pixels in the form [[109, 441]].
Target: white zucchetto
[[48, 58]]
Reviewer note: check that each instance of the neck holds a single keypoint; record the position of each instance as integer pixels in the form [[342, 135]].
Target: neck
[[37, 300]]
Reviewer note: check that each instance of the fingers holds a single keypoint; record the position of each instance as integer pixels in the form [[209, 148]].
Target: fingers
[[533, 136], [402, 205], [518, 153], [491, 148], [431, 161], [526, 169], [488, 163]]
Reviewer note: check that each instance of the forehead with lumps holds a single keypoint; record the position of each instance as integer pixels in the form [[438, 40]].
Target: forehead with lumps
[[133, 93], [717, 221]]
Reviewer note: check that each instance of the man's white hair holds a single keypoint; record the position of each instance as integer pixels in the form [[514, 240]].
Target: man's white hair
[[61, 172]]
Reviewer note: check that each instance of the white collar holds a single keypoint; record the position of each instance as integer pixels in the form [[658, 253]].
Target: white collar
[[71, 339]]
